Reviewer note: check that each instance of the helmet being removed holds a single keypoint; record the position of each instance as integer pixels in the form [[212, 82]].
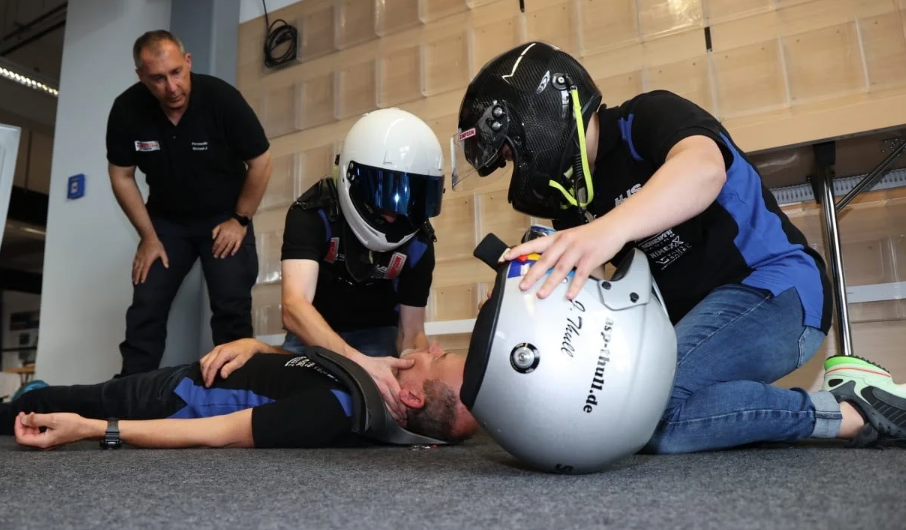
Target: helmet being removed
[[571, 386], [530, 105], [391, 178]]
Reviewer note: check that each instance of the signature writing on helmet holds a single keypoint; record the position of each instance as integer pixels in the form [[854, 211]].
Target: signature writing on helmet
[[572, 329], [597, 381]]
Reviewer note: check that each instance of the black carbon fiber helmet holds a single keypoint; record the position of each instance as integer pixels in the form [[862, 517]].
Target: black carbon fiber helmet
[[525, 105]]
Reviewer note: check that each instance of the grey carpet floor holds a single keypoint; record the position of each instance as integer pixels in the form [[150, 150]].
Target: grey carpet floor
[[477, 485]]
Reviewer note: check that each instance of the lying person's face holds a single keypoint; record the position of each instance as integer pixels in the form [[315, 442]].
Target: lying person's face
[[431, 391]]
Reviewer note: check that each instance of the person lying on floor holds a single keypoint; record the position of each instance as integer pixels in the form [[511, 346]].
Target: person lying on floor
[[275, 399]]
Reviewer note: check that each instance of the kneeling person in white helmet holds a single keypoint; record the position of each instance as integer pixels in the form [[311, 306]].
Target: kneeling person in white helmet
[[358, 250]]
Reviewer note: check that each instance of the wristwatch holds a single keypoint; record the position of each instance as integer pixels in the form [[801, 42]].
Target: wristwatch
[[111, 438], [243, 220]]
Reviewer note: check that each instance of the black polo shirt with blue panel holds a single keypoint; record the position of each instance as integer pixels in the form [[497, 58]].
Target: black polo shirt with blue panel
[[742, 237], [196, 168]]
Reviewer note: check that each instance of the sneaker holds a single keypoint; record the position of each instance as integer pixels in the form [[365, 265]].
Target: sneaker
[[28, 387], [870, 389]]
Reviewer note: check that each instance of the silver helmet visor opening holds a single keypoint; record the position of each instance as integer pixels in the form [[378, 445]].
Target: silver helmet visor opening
[[476, 149]]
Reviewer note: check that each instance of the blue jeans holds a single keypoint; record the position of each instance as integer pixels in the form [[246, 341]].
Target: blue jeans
[[373, 342], [731, 347]]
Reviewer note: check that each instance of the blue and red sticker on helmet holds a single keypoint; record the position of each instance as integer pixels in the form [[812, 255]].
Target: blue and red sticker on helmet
[[521, 265]]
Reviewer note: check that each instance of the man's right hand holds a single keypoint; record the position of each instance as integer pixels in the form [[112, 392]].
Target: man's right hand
[[383, 371], [227, 358], [149, 250]]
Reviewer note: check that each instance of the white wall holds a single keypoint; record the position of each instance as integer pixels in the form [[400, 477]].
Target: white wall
[[90, 242], [250, 9]]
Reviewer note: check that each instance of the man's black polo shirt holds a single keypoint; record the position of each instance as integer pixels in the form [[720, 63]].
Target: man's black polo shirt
[[196, 168]]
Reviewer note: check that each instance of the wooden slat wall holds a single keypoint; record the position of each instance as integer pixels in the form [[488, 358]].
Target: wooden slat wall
[[780, 73]]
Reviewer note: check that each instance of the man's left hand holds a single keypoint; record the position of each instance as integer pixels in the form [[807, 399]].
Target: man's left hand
[[61, 428], [228, 237]]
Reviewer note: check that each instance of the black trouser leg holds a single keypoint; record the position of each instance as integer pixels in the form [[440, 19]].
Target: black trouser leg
[[143, 396], [230, 281], [146, 319]]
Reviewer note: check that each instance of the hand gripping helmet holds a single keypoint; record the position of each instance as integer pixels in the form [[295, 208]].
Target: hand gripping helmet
[[391, 164], [571, 386], [531, 104]]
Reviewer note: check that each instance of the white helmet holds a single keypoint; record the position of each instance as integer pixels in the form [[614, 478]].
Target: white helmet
[[391, 164], [571, 386]]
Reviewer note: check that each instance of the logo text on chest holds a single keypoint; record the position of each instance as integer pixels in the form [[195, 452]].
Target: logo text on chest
[[629, 193], [199, 146]]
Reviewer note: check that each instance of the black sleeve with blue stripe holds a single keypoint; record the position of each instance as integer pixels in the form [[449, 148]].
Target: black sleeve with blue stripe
[[312, 418], [660, 119]]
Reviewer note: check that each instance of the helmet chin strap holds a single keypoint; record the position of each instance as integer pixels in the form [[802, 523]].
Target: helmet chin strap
[[572, 196]]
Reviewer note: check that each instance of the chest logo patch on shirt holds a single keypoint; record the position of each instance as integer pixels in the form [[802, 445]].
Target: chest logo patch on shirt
[[199, 146], [664, 248], [395, 266], [148, 145], [332, 249]]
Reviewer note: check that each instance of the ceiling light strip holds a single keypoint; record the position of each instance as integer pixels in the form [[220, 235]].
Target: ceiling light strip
[[9, 71]]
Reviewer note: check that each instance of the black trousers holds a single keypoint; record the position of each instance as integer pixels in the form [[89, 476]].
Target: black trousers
[[229, 280], [145, 396]]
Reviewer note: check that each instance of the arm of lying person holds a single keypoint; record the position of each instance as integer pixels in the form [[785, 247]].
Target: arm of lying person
[[231, 430]]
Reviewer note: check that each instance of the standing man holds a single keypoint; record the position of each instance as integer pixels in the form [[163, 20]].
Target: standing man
[[207, 163]]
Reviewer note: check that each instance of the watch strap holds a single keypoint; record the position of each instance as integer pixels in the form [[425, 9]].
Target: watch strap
[[111, 438], [243, 220]]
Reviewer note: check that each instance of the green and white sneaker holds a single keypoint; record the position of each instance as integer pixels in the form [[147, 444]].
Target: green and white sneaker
[[870, 389]]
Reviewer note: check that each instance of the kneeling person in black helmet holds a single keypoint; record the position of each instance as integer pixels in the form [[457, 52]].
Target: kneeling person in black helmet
[[748, 297], [358, 250]]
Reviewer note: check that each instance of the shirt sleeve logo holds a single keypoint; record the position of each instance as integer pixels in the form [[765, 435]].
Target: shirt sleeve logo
[[146, 146]]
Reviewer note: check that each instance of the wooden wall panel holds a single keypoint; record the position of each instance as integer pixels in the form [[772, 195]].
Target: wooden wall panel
[[884, 48], [356, 90], [808, 56], [607, 24], [279, 109], [431, 10], [317, 107], [355, 23], [396, 15], [690, 78], [780, 72], [717, 11], [750, 79], [316, 32], [445, 64], [489, 39], [553, 23], [455, 302], [662, 17], [399, 77], [282, 187], [619, 88]]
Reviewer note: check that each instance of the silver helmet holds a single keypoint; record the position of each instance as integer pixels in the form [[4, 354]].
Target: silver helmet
[[571, 386]]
